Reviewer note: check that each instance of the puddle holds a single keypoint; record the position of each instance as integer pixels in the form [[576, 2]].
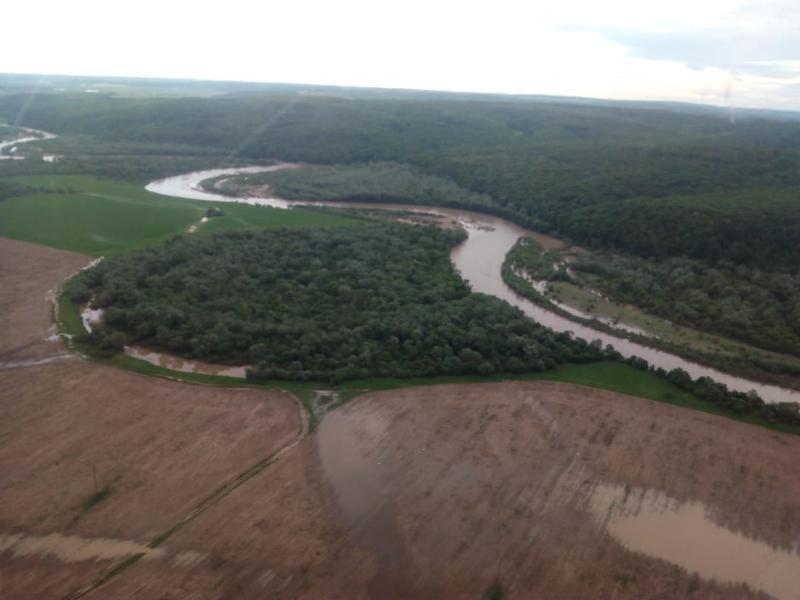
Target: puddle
[[683, 534], [35, 362], [71, 548], [349, 448], [91, 316], [189, 558], [184, 366], [345, 444]]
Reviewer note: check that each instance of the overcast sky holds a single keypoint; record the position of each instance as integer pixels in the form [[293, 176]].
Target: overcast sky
[[711, 51]]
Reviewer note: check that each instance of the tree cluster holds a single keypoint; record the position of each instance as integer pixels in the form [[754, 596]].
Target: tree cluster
[[378, 300], [745, 303]]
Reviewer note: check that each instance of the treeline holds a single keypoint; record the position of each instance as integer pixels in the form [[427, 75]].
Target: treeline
[[740, 403], [135, 168], [747, 404], [378, 300], [372, 182], [576, 169], [759, 307], [11, 189], [756, 227]]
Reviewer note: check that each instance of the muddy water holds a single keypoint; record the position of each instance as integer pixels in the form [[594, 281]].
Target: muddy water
[[344, 444], [685, 535], [479, 260], [72, 548], [176, 363], [91, 316], [347, 441]]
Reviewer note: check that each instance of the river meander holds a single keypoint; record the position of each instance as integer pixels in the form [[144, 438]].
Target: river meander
[[479, 260]]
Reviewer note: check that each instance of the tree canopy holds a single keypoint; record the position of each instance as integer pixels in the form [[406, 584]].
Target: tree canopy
[[377, 300]]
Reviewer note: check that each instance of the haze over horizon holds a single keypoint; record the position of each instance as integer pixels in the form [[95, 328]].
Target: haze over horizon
[[728, 53]]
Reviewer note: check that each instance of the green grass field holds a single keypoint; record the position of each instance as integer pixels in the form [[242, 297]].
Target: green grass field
[[99, 216]]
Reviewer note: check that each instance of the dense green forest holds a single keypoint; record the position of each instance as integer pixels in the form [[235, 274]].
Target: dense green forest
[[574, 168], [757, 307], [138, 162], [372, 182], [380, 300]]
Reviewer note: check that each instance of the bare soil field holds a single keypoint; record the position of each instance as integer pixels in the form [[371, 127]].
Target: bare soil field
[[551, 489], [158, 448], [28, 272], [95, 461]]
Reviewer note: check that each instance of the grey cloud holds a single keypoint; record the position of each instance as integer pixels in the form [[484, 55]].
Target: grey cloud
[[754, 39], [747, 53]]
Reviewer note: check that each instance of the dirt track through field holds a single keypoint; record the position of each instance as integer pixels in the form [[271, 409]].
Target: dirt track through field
[[435, 492]]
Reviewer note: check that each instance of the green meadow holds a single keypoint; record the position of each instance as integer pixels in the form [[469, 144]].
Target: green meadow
[[99, 216]]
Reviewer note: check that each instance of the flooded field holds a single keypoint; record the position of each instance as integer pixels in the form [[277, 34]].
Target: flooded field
[[685, 534], [177, 363], [437, 492]]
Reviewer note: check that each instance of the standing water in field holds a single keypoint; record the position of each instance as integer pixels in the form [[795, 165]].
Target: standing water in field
[[684, 534], [479, 260]]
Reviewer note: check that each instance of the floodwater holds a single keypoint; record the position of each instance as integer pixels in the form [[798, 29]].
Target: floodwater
[[354, 471], [90, 316], [176, 363], [72, 548], [684, 534], [35, 362], [347, 442], [479, 260]]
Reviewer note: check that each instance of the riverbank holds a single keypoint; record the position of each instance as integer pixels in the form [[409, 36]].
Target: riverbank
[[759, 368]]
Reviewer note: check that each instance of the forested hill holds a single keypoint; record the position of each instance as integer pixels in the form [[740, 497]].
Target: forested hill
[[576, 168]]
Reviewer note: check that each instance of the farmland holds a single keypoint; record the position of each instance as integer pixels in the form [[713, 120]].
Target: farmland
[[408, 426], [99, 216]]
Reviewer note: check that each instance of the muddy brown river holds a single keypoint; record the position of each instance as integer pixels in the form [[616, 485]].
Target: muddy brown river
[[479, 260]]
